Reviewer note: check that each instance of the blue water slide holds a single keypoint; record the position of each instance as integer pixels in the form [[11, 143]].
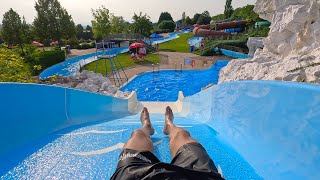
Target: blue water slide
[[251, 129], [72, 66], [233, 30], [232, 54]]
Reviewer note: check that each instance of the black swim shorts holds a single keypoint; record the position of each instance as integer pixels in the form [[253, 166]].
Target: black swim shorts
[[191, 162]]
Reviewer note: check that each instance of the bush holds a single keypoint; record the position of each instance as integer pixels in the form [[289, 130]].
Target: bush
[[13, 68], [167, 25], [159, 31], [85, 46], [45, 59]]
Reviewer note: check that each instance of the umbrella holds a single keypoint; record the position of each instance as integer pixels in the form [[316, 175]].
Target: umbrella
[[54, 43], [136, 45], [35, 43]]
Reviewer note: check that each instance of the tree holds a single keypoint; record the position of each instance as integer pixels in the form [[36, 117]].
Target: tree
[[196, 18], [204, 18], [245, 13], [52, 22], [183, 19], [118, 24], [165, 16], [228, 9], [218, 17], [101, 24], [188, 21], [80, 33], [141, 24], [26, 32], [88, 34], [12, 28], [167, 25]]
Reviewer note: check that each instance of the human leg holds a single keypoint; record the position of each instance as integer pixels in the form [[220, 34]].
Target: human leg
[[140, 138], [186, 151], [177, 136]]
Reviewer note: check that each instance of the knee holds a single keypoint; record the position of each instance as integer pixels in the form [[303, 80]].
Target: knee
[[182, 134], [138, 133]]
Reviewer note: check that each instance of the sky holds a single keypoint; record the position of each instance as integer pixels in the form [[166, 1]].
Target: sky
[[80, 10]]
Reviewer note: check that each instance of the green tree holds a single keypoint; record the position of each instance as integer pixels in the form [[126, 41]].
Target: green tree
[[88, 34], [52, 22], [118, 24], [228, 9], [101, 24], [141, 24], [12, 28], [79, 30], [183, 19], [188, 21], [196, 18], [26, 32], [204, 18], [218, 17], [167, 25], [245, 13], [165, 16]]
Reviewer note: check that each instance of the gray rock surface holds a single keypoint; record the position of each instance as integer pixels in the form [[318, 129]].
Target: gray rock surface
[[292, 49], [89, 81]]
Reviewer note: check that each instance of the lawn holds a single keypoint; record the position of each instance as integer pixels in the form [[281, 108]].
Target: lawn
[[177, 45], [125, 61]]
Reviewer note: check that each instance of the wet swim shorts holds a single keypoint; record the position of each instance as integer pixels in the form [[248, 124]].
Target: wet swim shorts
[[190, 162]]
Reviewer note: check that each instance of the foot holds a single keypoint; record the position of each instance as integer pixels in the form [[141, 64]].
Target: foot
[[168, 120], [145, 120]]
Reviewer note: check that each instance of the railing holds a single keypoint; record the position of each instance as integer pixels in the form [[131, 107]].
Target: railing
[[134, 36]]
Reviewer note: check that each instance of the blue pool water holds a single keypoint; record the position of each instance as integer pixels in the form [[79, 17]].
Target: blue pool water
[[165, 85], [195, 41]]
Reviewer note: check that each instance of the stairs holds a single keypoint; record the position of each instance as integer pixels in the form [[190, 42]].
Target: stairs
[[209, 47]]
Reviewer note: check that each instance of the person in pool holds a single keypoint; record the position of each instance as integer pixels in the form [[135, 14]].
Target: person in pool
[[190, 159]]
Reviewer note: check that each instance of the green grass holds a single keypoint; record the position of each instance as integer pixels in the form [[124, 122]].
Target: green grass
[[177, 45], [125, 61]]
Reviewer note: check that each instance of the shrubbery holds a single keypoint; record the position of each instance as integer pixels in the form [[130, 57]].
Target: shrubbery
[[159, 31], [43, 59], [85, 46], [13, 68], [167, 25]]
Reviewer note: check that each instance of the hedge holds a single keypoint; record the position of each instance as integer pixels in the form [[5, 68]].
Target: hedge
[[46, 58]]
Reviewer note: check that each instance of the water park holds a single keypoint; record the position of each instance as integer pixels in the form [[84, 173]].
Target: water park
[[230, 96]]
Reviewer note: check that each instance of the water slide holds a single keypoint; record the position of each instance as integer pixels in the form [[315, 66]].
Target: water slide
[[224, 28], [72, 66], [251, 129]]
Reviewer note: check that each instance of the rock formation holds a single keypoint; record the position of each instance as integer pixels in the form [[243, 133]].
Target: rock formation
[[292, 49], [88, 81]]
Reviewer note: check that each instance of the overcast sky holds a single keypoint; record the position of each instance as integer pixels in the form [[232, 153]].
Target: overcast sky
[[81, 9]]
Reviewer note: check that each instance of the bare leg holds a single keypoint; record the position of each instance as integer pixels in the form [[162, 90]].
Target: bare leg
[[140, 138], [177, 136]]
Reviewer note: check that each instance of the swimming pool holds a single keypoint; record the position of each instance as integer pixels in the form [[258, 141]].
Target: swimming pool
[[166, 84], [195, 41]]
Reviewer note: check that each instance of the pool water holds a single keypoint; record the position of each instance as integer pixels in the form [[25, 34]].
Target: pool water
[[165, 85], [195, 41], [91, 152]]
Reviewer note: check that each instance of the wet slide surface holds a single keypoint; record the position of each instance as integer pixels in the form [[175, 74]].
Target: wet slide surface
[[92, 151]]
